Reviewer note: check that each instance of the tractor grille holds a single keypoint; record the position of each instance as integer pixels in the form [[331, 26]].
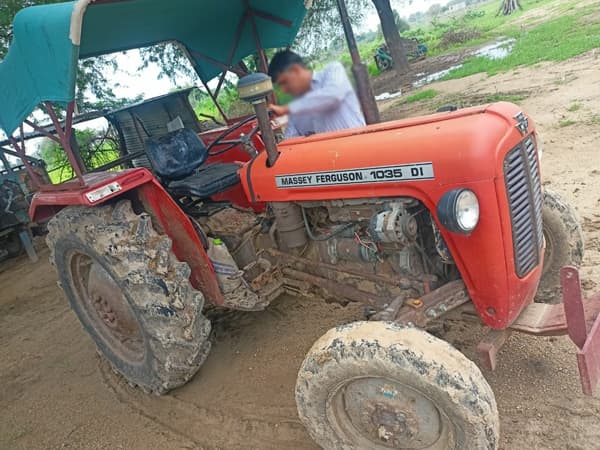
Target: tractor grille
[[523, 186]]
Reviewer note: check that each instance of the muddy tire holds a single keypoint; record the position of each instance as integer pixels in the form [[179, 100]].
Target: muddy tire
[[564, 245], [131, 294], [13, 245], [378, 385]]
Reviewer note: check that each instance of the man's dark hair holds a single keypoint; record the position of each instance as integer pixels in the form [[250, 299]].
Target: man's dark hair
[[282, 62]]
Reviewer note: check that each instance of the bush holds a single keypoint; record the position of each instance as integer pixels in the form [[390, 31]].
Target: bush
[[373, 69]]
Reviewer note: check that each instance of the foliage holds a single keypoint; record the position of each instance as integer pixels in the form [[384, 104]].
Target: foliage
[[8, 9], [419, 96], [373, 69], [321, 26], [555, 40], [481, 24], [96, 150], [505, 97]]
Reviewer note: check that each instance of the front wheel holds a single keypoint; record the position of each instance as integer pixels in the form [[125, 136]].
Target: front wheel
[[382, 386], [564, 244], [130, 294]]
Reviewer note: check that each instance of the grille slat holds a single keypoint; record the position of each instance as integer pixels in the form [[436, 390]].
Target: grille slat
[[524, 191]]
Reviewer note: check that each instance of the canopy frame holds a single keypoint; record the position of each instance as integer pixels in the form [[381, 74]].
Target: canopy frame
[[64, 136]]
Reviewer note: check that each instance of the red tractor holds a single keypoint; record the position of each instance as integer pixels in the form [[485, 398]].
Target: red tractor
[[415, 219]]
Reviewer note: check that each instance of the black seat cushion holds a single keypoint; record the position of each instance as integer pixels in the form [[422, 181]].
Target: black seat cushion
[[208, 181], [176, 155]]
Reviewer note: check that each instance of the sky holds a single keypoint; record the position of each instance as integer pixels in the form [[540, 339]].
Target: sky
[[405, 8]]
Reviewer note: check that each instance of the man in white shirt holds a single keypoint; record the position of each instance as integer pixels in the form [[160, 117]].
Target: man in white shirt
[[323, 100]]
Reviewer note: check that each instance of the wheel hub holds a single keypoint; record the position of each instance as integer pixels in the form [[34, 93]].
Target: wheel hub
[[387, 414], [391, 422], [108, 308]]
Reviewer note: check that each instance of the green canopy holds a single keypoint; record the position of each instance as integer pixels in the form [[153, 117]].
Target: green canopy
[[41, 64]]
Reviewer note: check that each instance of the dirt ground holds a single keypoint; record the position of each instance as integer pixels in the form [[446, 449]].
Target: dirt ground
[[56, 392]]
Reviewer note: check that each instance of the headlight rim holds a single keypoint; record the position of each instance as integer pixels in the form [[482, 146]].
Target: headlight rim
[[448, 213]]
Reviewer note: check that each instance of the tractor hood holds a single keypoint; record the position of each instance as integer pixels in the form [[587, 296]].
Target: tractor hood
[[48, 41], [419, 156]]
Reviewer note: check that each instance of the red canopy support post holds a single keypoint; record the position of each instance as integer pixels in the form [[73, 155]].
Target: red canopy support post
[[20, 149], [5, 162], [214, 99], [361, 75], [65, 136]]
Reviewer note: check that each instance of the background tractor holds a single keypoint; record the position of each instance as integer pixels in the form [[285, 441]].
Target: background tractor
[[457, 222], [16, 191], [413, 48]]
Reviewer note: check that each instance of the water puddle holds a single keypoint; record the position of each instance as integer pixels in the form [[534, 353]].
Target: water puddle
[[497, 50], [435, 76], [388, 95]]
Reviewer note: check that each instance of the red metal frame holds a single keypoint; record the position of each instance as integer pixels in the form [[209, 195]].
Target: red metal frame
[[584, 330], [578, 318], [157, 202]]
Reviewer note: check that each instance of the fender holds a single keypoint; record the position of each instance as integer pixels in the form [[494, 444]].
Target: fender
[[140, 184], [464, 149]]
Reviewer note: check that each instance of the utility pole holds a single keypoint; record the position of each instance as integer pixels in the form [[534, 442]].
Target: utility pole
[[359, 70]]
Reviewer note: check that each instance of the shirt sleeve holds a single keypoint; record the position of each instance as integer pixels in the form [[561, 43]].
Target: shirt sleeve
[[290, 129], [334, 87]]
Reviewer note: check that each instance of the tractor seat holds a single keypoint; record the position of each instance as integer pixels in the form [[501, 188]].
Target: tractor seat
[[178, 158], [207, 181]]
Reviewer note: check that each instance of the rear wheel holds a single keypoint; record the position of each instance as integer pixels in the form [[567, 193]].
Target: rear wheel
[[564, 244], [382, 63], [13, 245], [380, 386], [131, 294]]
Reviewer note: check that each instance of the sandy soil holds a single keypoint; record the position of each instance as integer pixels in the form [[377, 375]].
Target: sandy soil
[[55, 392]]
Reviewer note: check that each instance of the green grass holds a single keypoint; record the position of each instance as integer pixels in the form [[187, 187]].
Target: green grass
[[482, 19], [500, 97], [419, 96], [566, 123], [556, 40], [574, 107]]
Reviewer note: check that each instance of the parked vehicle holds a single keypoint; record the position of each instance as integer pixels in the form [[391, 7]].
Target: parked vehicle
[[452, 222], [15, 196], [413, 48]]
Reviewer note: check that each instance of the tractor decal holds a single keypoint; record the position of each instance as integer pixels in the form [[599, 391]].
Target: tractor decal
[[404, 172]]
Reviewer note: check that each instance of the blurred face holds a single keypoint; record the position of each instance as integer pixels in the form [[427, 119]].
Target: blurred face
[[295, 81]]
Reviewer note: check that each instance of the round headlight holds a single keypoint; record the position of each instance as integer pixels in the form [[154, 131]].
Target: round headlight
[[458, 211], [467, 210]]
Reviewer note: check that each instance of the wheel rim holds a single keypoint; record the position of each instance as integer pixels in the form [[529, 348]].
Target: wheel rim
[[379, 413], [107, 308]]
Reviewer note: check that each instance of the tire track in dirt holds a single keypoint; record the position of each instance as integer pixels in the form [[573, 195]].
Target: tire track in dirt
[[246, 428]]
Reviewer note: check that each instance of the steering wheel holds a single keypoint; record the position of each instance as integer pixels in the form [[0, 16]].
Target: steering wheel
[[232, 143]]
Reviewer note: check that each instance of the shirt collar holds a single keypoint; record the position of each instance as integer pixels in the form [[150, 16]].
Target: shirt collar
[[316, 78]]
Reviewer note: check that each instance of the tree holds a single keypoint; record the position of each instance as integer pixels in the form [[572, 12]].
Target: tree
[[392, 35], [401, 24], [321, 26], [96, 149], [509, 6], [94, 89]]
